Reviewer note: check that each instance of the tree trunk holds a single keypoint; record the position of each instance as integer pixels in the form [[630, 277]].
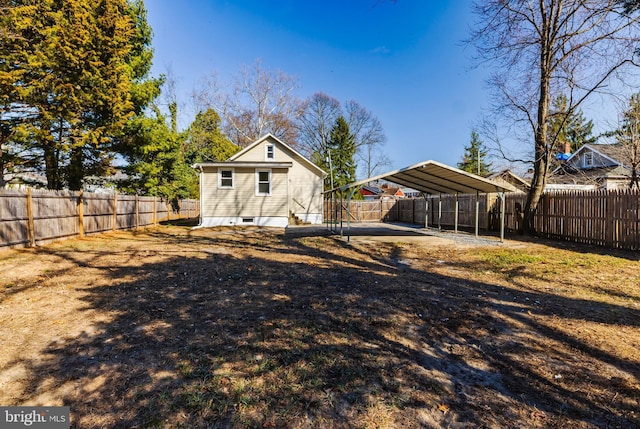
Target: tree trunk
[[535, 194], [541, 148], [51, 168], [75, 172], [2, 163]]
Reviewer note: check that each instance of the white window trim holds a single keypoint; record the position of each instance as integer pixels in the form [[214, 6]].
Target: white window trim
[[262, 194], [266, 152], [233, 178]]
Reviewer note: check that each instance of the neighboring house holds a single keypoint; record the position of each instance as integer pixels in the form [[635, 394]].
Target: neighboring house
[[264, 184], [411, 193], [25, 180], [391, 192], [510, 180], [385, 191], [370, 192], [593, 166]]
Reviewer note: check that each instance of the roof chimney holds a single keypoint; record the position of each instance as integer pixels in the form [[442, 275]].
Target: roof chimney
[[565, 151]]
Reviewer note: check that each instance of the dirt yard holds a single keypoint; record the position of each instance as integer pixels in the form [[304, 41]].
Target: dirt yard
[[178, 328]]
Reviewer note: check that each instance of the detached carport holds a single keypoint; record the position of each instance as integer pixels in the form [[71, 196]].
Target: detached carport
[[429, 178]]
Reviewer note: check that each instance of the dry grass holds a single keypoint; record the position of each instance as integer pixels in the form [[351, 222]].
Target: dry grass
[[171, 327]]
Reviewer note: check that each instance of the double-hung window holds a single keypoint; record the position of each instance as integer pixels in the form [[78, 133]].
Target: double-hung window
[[263, 182], [225, 178]]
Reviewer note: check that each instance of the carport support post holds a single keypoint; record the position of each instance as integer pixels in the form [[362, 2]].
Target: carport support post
[[477, 211], [502, 209], [341, 208], [335, 212], [455, 220], [426, 209], [351, 193], [439, 211]]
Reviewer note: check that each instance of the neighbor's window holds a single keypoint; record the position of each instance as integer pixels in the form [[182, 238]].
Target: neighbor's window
[[269, 152], [263, 182], [225, 179]]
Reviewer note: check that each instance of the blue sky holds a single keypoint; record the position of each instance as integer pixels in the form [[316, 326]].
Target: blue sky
[[404, 61]]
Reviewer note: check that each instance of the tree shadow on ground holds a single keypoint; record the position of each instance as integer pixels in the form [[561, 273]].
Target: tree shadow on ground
[[309, 332]]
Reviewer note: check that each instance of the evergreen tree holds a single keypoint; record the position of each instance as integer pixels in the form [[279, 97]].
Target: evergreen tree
[[66, 81], [568, 126], [155, 161], [341, 150], [474, 158], [205, 140]]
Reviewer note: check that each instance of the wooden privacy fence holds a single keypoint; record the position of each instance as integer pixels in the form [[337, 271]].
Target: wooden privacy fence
[[32, 217], [605, 218], [441, 210]]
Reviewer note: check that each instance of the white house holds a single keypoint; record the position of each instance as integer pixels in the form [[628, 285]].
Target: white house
[[265, 184]]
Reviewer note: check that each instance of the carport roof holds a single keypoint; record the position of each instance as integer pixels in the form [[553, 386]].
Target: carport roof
[[432, 177]]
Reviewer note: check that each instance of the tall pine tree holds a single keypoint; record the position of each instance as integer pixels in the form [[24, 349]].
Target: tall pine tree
[[205, 140], [568, 126], [66, 82], [475, 156], [341, 150]]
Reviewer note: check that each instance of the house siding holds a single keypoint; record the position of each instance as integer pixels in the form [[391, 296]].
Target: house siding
[[598, 160], [296, 187], [241, 202], [305, 185]]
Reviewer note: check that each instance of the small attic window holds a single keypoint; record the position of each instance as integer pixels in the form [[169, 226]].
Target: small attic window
[[588, 159], [269, 152]]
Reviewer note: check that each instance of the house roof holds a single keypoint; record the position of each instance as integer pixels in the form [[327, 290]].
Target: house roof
[[240, 164], [392, 190], [510, 177], [432, 177], [373, 189], [613, 152], [567, 174], [310, 164]]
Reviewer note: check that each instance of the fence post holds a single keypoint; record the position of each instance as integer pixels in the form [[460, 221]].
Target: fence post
[[413, 211], [137, 213], [115, 212], [31, 233], [611, 223], [155, 211], [80, 213]]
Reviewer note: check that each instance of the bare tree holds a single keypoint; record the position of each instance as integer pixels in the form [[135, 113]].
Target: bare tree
[[258, 101], [319, 114], [544, 48], [369, 138]]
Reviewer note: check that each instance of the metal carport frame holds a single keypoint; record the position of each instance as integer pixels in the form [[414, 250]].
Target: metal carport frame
[[431, 177]]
